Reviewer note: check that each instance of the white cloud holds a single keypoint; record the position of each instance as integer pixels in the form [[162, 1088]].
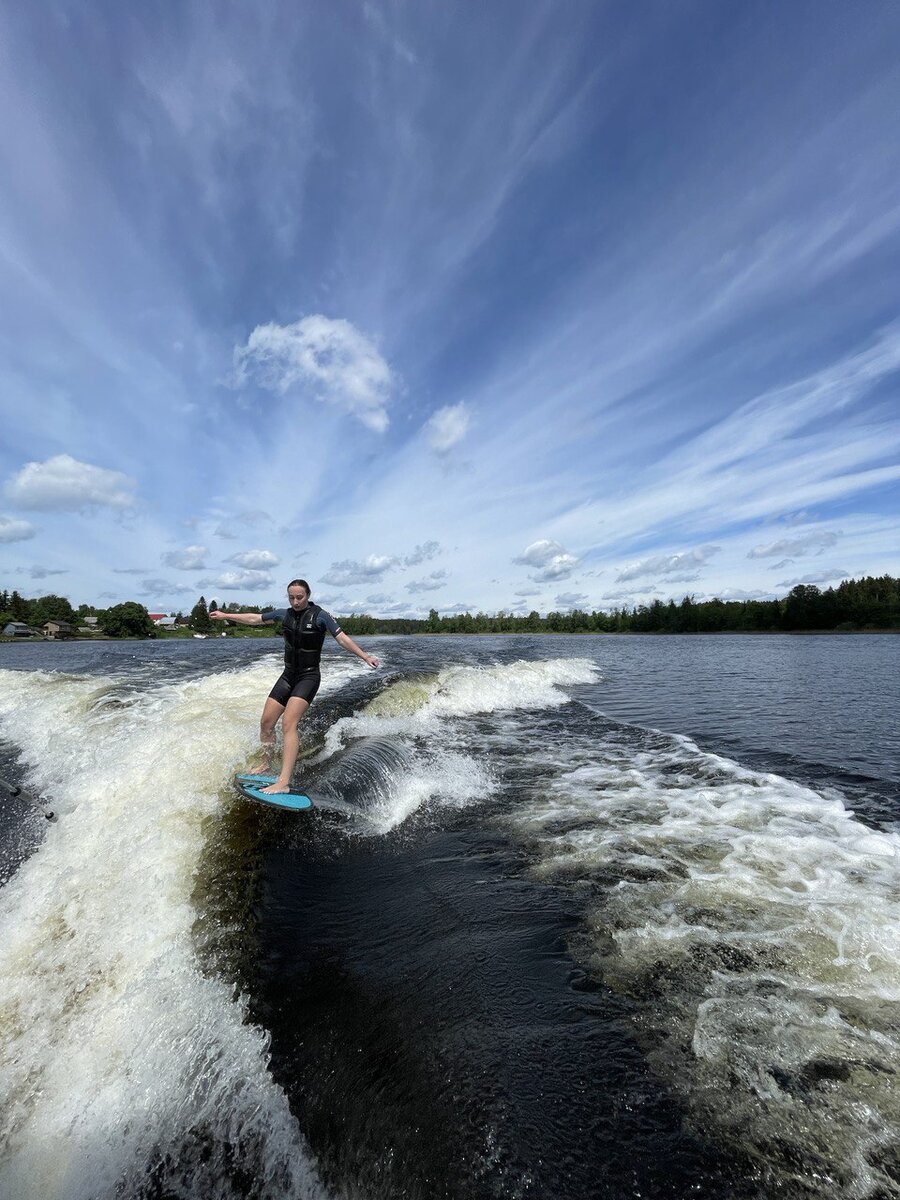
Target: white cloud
[[191, 558], [331, 358], [431, 583], [257, 560], [675, 566], [64, 483], [447, 426], [349, 572], [782, 562], [826, 576], [13, 530], [163, 587], [554, 561], [232, 581], [571, 600], [528, 592], [423, 553], [798, 546]]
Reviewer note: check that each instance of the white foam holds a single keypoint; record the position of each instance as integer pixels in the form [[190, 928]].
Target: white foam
[[759, 921], [420, 712], [114, 1042]]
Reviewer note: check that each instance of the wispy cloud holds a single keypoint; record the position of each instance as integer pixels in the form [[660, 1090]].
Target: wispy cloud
[[798, 546], [673, 566], [448, 426], [826, 575]]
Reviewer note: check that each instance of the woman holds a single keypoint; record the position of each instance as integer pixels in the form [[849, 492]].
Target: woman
[[305, 626]]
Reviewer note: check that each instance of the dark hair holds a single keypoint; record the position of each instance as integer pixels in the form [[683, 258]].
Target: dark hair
[[301, 583]]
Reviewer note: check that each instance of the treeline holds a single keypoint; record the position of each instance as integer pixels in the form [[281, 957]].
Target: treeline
[[869, 603]]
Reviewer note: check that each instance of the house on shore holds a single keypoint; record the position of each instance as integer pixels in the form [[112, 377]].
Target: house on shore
[[161, 621], [18, 629], [57, 630]]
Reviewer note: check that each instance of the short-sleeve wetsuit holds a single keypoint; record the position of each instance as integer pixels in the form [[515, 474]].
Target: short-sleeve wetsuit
[[304, 633]]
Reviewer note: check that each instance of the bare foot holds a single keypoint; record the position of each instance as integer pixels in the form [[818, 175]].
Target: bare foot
[[276, 789]]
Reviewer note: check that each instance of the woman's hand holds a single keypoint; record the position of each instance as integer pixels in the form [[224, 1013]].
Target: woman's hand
[[372, 661]]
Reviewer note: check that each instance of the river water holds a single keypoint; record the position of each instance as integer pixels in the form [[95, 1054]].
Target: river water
[[573, 917]]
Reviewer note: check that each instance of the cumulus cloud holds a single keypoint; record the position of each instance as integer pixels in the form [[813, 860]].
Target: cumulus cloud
[[458, 608], [256, 560], [817, 540], [232, 581], [826, 576], [553, 561], [348, 571], [63, 483], [528, 592], [675, 566], [330, 358], [423, 553], [12, 530], [190, 558], [447, 426], [571, 600], [431, 583]]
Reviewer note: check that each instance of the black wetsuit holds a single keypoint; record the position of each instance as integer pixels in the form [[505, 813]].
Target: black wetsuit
[[304, 633]]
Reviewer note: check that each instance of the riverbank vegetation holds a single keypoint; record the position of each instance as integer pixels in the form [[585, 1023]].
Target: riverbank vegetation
[[868, 604]]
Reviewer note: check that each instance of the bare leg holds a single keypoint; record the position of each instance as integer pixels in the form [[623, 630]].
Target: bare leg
[[272, 710], [293, 713]]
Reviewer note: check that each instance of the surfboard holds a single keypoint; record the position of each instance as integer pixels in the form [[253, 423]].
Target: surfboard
[[292, 801], [243, 777]]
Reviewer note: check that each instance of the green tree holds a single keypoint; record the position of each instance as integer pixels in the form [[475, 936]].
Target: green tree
[[127, 620], [51, 608], [199, 619]]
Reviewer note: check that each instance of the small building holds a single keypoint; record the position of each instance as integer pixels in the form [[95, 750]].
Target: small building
[[17, 629], [165, 623], [57, 630], [91, 622]]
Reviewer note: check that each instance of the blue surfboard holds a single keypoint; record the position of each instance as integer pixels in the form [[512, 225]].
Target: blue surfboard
[[243, 777], [293, 801]]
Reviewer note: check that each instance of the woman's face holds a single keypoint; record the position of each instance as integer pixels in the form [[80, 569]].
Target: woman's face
[[298, 596]]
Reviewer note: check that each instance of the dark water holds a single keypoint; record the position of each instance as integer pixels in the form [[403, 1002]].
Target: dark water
[[576, 917]]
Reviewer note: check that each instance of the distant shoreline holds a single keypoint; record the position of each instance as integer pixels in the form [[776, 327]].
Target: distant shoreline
[[580, 633]]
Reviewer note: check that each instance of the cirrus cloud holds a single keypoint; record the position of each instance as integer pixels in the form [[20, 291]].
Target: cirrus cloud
[[65, 484], [330, 358]]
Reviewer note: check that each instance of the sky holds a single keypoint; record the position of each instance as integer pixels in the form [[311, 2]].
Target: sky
[[439, 305]]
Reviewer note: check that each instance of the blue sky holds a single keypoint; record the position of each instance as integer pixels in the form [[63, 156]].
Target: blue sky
[[441, 305]]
